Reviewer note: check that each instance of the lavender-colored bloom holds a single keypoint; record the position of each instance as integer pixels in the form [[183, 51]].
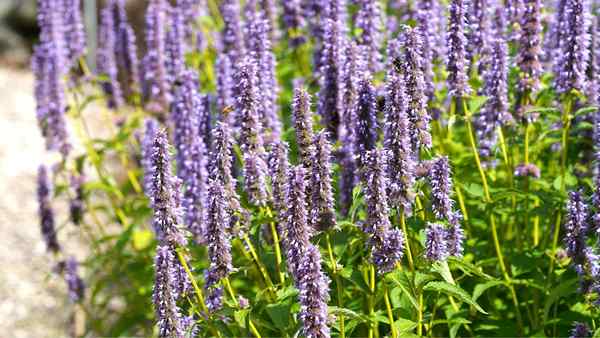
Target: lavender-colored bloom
[[217, 236], [415, 90], [191, 9], [576, 226], [165, 195], [554, 33], [293, 22], [191, 151], [155, 81], [76, 204], [175, 46], [455, 236], [514, 12], [232, 37], [580, 330], [330, 104], [366, 119], [347, 131], [458, 85], [441, 188], [313, 285], [278, 167], [436, 246], [494, 112], [50, 65], [150, 129], [164, 295], [74, 29], [46, 214], [386, 244], [75, 284], [369, 21], [251, 140], [297, 231], [527, 170], [107, 61], [572, 64], [592, 88], [259, 46], [478, 28], [303, 126], [401, 164], [530, 47], [429, 19], [322, 209]]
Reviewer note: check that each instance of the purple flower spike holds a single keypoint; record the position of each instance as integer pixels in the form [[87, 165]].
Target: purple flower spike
[[251, 139], [494, 112], [155, 82], [225, 87], [572, 64], [175, 46], [46, 214], [127, 57], [436, 246], [455, 236], [303, 125], [297, 232], [75, 284], [330, 103], [347, 131], [401, 164], [576, 226], [530, 46], [50, 65], [478, 24], [165, 196], [369, 21], [441, 188], [217, 236], [187, 108], [366, 119], [232, 37], [164, 295], [107, 59], [313, 285], [458, 85], [279, 166], [150, 129], [386, 244], [415, 90], [580, 330], [429, 19], [322, 216], [259, 46], [74, 29]]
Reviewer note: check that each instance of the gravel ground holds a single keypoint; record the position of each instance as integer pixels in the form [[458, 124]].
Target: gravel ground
[[33, 302]]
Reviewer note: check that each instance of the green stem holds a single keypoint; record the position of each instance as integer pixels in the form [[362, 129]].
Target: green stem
[[276, 245], [338, 284], [408, 250], [237, 304], [390, 314], [488, 200], [261, 267]]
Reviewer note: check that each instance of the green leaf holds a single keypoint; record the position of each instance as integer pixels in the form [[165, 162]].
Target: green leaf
[[455, 291], [597, 333], [279, 314], [468, 268], [404, 326], [563, 289], [402, 282], [142, 239], [480, 288], [443, 269], [240, 317], [584, 111], [476, 102], [474, 189]]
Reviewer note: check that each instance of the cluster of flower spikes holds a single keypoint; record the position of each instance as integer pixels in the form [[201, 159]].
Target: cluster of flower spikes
[[171, 280], [442, 241], [61, 44], [579, 231]]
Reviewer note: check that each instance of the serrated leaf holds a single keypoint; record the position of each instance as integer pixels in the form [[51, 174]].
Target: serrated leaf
[[443, 269], [455, 291], [402, 282], [347, 313], [468, 268], [480, 288]]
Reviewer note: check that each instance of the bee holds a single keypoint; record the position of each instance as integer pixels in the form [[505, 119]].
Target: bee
[[397, 64]]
